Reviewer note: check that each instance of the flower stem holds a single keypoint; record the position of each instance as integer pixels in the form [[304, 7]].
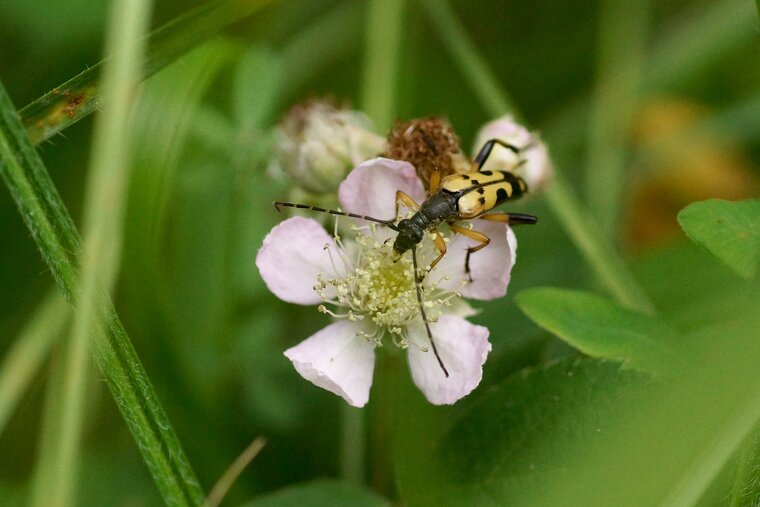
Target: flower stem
[[383, 43], [579, 224], [28, 352], [609, 267], [352, 445]]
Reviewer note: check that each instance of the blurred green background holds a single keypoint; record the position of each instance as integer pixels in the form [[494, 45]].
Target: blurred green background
[[668, 90]]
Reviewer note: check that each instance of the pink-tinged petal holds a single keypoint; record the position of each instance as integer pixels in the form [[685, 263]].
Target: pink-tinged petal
[[463, 348], [370, 189], [490, 267], [292, 256], [536, 168], [337, 360]]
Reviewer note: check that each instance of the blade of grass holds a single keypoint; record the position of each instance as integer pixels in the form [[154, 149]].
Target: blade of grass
[[79, 96], [35, 195], [623, 28], [465, 54], [225, 482], [103, 212], [698, 41], [326, 40], [23, 361], [579, 224], [383, 43], [44, 471]]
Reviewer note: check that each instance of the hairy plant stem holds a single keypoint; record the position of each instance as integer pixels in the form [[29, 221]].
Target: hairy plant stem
[[53, 231], [81, 95]]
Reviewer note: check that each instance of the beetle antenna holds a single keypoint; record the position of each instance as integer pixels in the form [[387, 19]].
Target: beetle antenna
[[388, 223], [422, 312]]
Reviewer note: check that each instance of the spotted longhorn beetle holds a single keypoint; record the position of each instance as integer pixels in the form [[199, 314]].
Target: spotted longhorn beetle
[[459, 196]]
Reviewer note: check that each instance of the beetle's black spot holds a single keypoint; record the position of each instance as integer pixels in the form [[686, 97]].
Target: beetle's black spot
[[482, 200], [465, 177], [475, 182], [487, 173], [501, 195], [481, 190]]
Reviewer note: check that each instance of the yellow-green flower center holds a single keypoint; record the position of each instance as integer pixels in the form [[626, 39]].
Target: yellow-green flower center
[[378, 287], [384, 289]]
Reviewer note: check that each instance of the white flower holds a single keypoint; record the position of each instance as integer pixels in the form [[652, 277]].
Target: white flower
[[316, 145], [533, 164], [374, 298]]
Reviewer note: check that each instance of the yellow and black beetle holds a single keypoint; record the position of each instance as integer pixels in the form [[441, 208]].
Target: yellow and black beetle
[[456, 197]]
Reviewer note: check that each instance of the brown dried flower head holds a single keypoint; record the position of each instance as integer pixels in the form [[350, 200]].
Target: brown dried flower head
[[429, 144]]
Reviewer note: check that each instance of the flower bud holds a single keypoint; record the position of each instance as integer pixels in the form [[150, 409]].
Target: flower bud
[[317, 144], [532, 164]]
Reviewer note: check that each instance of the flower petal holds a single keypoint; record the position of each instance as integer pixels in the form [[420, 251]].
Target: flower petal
[[370, 189], [292, 256], [337, 360], [463, 348], [490, 267], [537, 169]]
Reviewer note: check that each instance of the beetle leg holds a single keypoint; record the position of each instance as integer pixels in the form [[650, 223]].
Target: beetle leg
[[435, 181], [404, 198], [440, 245], [509, 218], [477, 236], [485, 152]]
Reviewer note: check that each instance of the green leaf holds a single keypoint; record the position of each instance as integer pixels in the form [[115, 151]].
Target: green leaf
[[600, 328], [324, 493], [523, 430], [745, 490], [587, 432], [729, 230]]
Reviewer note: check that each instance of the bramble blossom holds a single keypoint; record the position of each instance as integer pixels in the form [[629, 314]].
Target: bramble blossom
[[372, 298]]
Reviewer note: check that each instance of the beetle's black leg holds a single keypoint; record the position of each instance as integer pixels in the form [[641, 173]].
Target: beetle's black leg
[[485, 152], [477, 236], [509, 218]]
